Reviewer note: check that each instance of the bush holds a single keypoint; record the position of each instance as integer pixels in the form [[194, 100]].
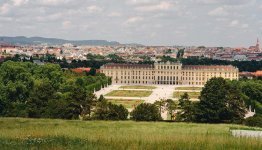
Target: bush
[[255, 121], [117, 112], [109, 111], [146, 112]]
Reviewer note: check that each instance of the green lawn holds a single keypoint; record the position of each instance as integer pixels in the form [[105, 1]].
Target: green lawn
[[193, 95], [189, 88], [126, 103], [16, 133], [129, 93], [137, 87]]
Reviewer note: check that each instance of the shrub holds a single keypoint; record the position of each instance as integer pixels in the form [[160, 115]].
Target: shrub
[[255, 121], [109, 111], [117, 112], [146, 112]]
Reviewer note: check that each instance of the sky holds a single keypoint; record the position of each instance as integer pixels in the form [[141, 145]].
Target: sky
[[235, 23]]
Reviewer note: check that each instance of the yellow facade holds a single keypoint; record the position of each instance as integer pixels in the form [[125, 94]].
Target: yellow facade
[[167, 73]]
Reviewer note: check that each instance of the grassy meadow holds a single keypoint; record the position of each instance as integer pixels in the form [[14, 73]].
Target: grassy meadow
[[126, 103], [189, 88], [17, 133], [129, 93], [137, 87]]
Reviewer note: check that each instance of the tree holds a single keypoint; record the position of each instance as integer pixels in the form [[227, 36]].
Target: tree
[[92, 72], [50, 71], [220, 102], [171, 106], [101, 109], [117, 112], [235, 104], [109, 111], [40, 95], [115, 58], [186, 112], [15, 85], [255, 121], [30, 90], [146, 112], [160, 105]]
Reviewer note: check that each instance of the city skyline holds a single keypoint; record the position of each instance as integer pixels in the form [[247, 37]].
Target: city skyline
[[233, 23]]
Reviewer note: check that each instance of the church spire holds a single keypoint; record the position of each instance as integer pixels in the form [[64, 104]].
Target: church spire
[[258, 46]]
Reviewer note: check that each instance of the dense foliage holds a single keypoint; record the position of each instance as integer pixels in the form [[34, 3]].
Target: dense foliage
[[146, 112], [47, 91], [107, 111], [253, 90], [29, 90], [255, 121], [222, 101]]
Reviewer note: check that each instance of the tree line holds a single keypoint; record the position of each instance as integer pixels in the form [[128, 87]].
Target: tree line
[[96, 61], [221, 101], [48, 91]]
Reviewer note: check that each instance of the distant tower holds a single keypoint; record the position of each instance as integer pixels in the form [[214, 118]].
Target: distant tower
[[257, 46]]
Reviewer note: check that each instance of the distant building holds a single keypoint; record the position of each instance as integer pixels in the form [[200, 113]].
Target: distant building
[[250, 75], [240, 57], [81, 70], [256, 47], [167, 73], [2, 58]]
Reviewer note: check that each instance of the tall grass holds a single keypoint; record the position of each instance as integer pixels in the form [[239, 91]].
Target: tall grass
[[17, 133]]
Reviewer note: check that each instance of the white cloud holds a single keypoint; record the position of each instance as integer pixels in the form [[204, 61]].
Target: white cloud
[[156, 7], [133, 20], [53, 2], [238, 24], [4, 9], [234, 23], [114, 14], [19, 2], [67, 24], [6, 19], [220, 11], [139, 2], [51, 17], [140, 18], [244, 26], [94, 9], [206, 1], [227, 2], [222, 19], [152, 35]]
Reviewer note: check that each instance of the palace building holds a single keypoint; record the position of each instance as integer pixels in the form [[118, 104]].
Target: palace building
[[167, 73]]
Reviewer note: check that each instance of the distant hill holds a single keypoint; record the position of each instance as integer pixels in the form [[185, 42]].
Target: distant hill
[[22, 40]]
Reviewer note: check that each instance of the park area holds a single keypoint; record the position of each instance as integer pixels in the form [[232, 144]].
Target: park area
[[126, 102], [18, 133], [192, 95], [137, 87], [129, 93]]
